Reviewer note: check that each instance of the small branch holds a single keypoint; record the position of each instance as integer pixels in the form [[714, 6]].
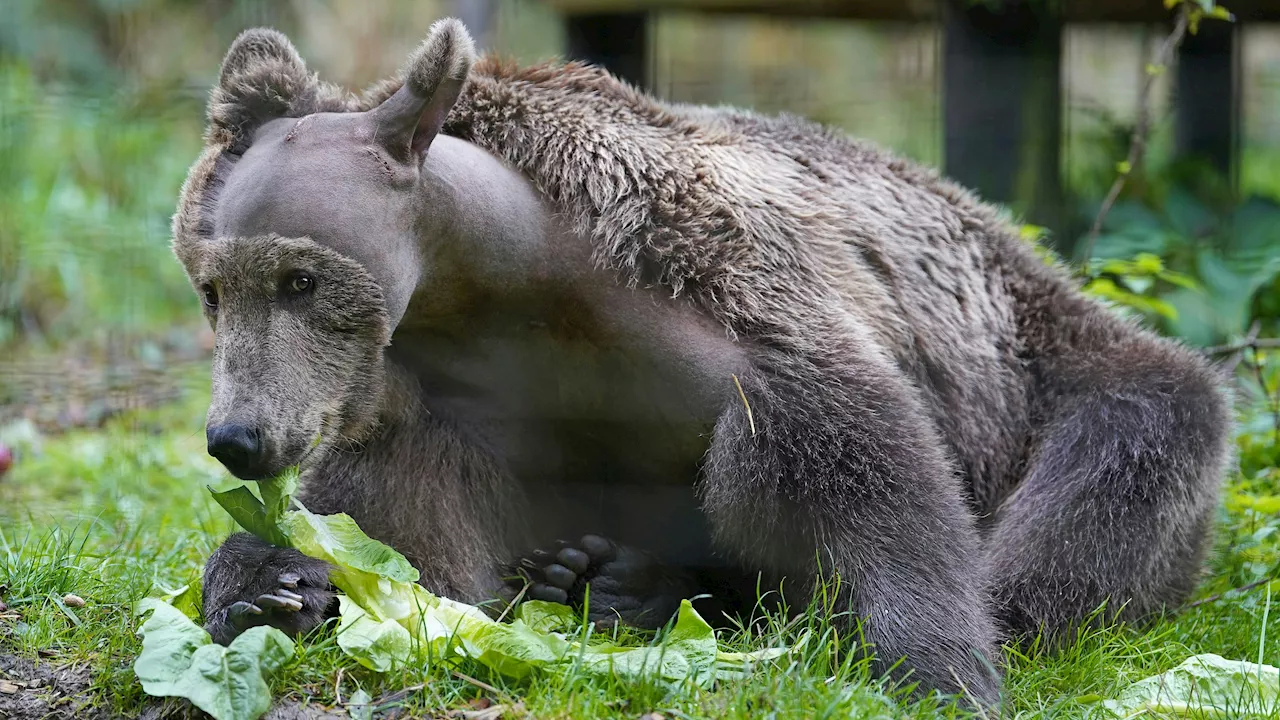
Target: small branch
[[1243, 588], [1138, 142], [1236, 350], [1255, 344], [1274, 402]]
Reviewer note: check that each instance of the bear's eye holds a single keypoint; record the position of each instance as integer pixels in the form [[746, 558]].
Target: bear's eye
[[210, 297], [299, 284]]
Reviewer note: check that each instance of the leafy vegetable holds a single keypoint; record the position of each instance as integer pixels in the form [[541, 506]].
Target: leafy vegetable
[[1207, 686], [450, 631], [337, 539], [360, 706], [186, 598], [262, 517], [276, 493], [388, 620], [250, 513], [180, 659]]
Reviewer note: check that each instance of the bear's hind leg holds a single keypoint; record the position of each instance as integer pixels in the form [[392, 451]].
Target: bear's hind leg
[[1118, 498]]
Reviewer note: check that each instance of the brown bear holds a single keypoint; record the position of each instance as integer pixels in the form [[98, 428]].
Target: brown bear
[[528, 303]]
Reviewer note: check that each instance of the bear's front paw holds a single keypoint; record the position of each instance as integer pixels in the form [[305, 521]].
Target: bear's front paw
[[248, 582], [618, 584]]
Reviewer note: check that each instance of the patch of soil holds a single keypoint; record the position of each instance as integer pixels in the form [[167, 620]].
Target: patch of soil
[[298, 711], [43, 690], [180, 709], [36, 691]]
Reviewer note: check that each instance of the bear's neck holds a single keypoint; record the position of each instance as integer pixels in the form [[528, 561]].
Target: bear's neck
[[479, 220]]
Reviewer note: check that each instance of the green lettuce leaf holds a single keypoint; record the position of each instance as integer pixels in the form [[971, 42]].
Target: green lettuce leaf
[[445, 631], [1203, 686], [337, 539], [687, 655], [179, 659], [249, 513], [547, 617], [276, 493], [187, 598]]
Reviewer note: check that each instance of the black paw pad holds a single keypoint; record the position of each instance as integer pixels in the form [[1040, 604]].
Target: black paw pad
[[618, 583]]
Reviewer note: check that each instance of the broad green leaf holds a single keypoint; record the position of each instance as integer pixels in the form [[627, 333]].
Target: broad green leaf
[[1196, 321], [1203, 686], [186, 598], [339, 540], [169, 639], [546, 616], [249, 513], [276, 493], [1229, 293], [179, 659], [378, 645], [360, 705], [687, 654], [1186, 215]]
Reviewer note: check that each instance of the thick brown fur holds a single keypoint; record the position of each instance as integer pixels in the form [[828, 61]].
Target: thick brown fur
[[930, 410]]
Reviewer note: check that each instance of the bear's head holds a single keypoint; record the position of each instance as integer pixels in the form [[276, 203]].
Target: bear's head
[[298, 229]]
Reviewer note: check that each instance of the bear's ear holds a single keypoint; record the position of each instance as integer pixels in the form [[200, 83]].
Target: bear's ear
[[262, 78], [407, 122]]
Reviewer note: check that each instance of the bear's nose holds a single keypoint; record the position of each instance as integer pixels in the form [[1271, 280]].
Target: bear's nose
[[240, 449]]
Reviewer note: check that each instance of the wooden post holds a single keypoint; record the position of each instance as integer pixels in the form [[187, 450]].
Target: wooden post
[[619, 42], [1207, 123], [1002, 105]]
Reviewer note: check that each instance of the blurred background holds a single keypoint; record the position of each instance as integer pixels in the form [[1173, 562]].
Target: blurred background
[[1032, 102]]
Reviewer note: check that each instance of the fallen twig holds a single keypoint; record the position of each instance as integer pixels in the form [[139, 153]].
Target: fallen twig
[[396, 696], [482, 685]]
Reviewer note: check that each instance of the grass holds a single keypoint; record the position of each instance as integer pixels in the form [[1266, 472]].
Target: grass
[[121, 513]]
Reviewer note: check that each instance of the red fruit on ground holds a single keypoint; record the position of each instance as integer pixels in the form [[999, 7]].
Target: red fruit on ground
[[6, 458]]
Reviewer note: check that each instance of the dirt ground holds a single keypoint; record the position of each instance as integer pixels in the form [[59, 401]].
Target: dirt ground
[[45, 690]]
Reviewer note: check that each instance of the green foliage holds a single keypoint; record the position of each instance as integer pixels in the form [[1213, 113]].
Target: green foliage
[[1199, 10], [1201, 273], [262, 517], [179, 659], [1124, 283], [87, 186]]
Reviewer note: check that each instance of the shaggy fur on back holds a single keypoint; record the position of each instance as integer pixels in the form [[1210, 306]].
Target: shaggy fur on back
[[794, 236]]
